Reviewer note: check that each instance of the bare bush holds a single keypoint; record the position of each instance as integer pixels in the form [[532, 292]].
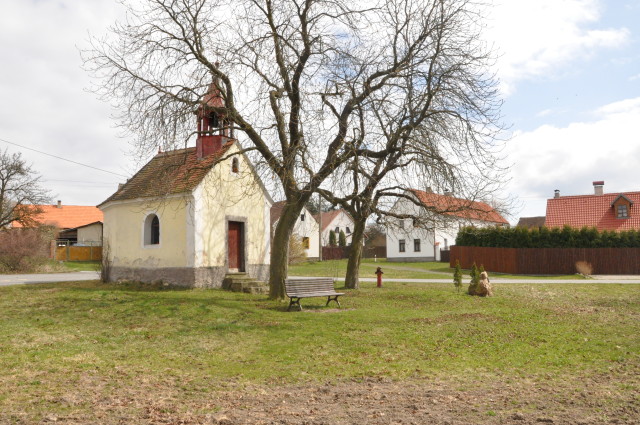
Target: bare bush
[[24, 250], [297, 253], [584, 268]]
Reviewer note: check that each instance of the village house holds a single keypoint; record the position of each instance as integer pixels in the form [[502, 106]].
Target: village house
[[77, 224], [438, 220], [306, 229], [336, 220], [605, 211], [191, 216]]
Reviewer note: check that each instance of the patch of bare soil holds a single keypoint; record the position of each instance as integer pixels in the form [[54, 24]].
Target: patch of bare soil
[[601, 400]]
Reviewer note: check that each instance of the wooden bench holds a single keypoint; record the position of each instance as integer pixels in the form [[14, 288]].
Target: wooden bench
[[296, 289]]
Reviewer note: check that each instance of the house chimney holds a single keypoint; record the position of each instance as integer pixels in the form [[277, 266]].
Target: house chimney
[[429, 190], [120, 186], [598, 188], [59, 204], [556, 193]]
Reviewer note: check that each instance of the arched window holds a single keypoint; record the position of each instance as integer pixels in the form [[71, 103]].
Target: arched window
[[152, 230], [235, 165]]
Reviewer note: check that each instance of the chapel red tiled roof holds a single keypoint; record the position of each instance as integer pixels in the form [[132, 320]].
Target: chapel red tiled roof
[[168, 173], [592, 211], [463, 208], [66, 216]]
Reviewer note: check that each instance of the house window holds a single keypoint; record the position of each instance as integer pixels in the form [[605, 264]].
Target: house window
[[348, 230], [401, 246], [402, 223], [152, 230], [302, 217], [305, 243], [623, 211], [235, 165], [446, 244], [337, 229], [416, 245]]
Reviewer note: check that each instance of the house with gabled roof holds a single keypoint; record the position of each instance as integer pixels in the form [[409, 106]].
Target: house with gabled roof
[[191, 216], [306, 229], [434, 224], [336, 221], [76, 223], [615, 211]]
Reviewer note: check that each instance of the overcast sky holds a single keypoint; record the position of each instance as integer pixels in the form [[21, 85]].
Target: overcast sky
[[569, 72]]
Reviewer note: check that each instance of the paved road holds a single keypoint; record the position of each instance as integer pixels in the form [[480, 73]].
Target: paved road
[[20, 279], [595, 280]]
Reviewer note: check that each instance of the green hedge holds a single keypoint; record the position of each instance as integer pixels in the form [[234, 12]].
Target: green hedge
[[567, 237]]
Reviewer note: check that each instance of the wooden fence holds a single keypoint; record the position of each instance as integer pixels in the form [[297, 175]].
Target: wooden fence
[[615, 261], [77, 253]]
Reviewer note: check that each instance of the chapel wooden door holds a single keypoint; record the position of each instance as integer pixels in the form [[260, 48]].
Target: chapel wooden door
[[236, 246]]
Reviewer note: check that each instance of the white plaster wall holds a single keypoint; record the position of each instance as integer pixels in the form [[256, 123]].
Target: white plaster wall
[[92, 233], [123, 231], [308, 228], [342, 221], [225, 196]]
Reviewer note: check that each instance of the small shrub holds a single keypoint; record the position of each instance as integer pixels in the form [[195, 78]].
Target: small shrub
[[457, 276], [584, 268], [332, 238], [297, 253], [475, 279], [24, 250], [342, 239]]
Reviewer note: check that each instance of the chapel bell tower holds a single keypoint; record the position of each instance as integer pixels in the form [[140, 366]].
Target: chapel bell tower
[[214, 129]]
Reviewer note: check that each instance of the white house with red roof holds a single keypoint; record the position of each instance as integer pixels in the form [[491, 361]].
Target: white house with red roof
[[434, 224], [78, 224], [306, 228], [336, 220], [615, 211]]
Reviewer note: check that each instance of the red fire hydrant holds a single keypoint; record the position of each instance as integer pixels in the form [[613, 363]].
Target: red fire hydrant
[[379, 272]]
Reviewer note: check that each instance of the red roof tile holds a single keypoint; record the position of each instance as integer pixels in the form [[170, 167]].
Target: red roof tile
[[592, 211], [66, 216], [168, 173], [463, 208]]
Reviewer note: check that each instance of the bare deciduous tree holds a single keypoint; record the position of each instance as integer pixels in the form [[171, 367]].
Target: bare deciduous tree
[[20, 191], [310, 84]]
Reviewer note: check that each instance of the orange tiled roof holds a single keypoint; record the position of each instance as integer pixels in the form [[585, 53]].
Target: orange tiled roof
[[463, 208], [592, 211], [66, 216], [168, 173]]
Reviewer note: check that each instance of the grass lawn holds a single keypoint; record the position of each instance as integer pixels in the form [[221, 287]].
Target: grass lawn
[[71, 348], [81, 266], [395, 270]]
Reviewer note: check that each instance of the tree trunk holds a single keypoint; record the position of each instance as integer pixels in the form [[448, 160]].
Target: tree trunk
[[280, 249], [352, 279]]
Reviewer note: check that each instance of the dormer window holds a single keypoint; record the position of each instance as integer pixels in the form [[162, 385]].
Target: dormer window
[[622, 206], [623, 211]]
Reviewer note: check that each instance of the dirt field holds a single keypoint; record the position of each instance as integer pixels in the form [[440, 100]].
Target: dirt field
[[603, 400]]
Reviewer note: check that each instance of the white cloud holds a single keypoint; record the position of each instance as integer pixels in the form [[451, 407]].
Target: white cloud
[[570, 158], [536, 38], [44, 103]]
